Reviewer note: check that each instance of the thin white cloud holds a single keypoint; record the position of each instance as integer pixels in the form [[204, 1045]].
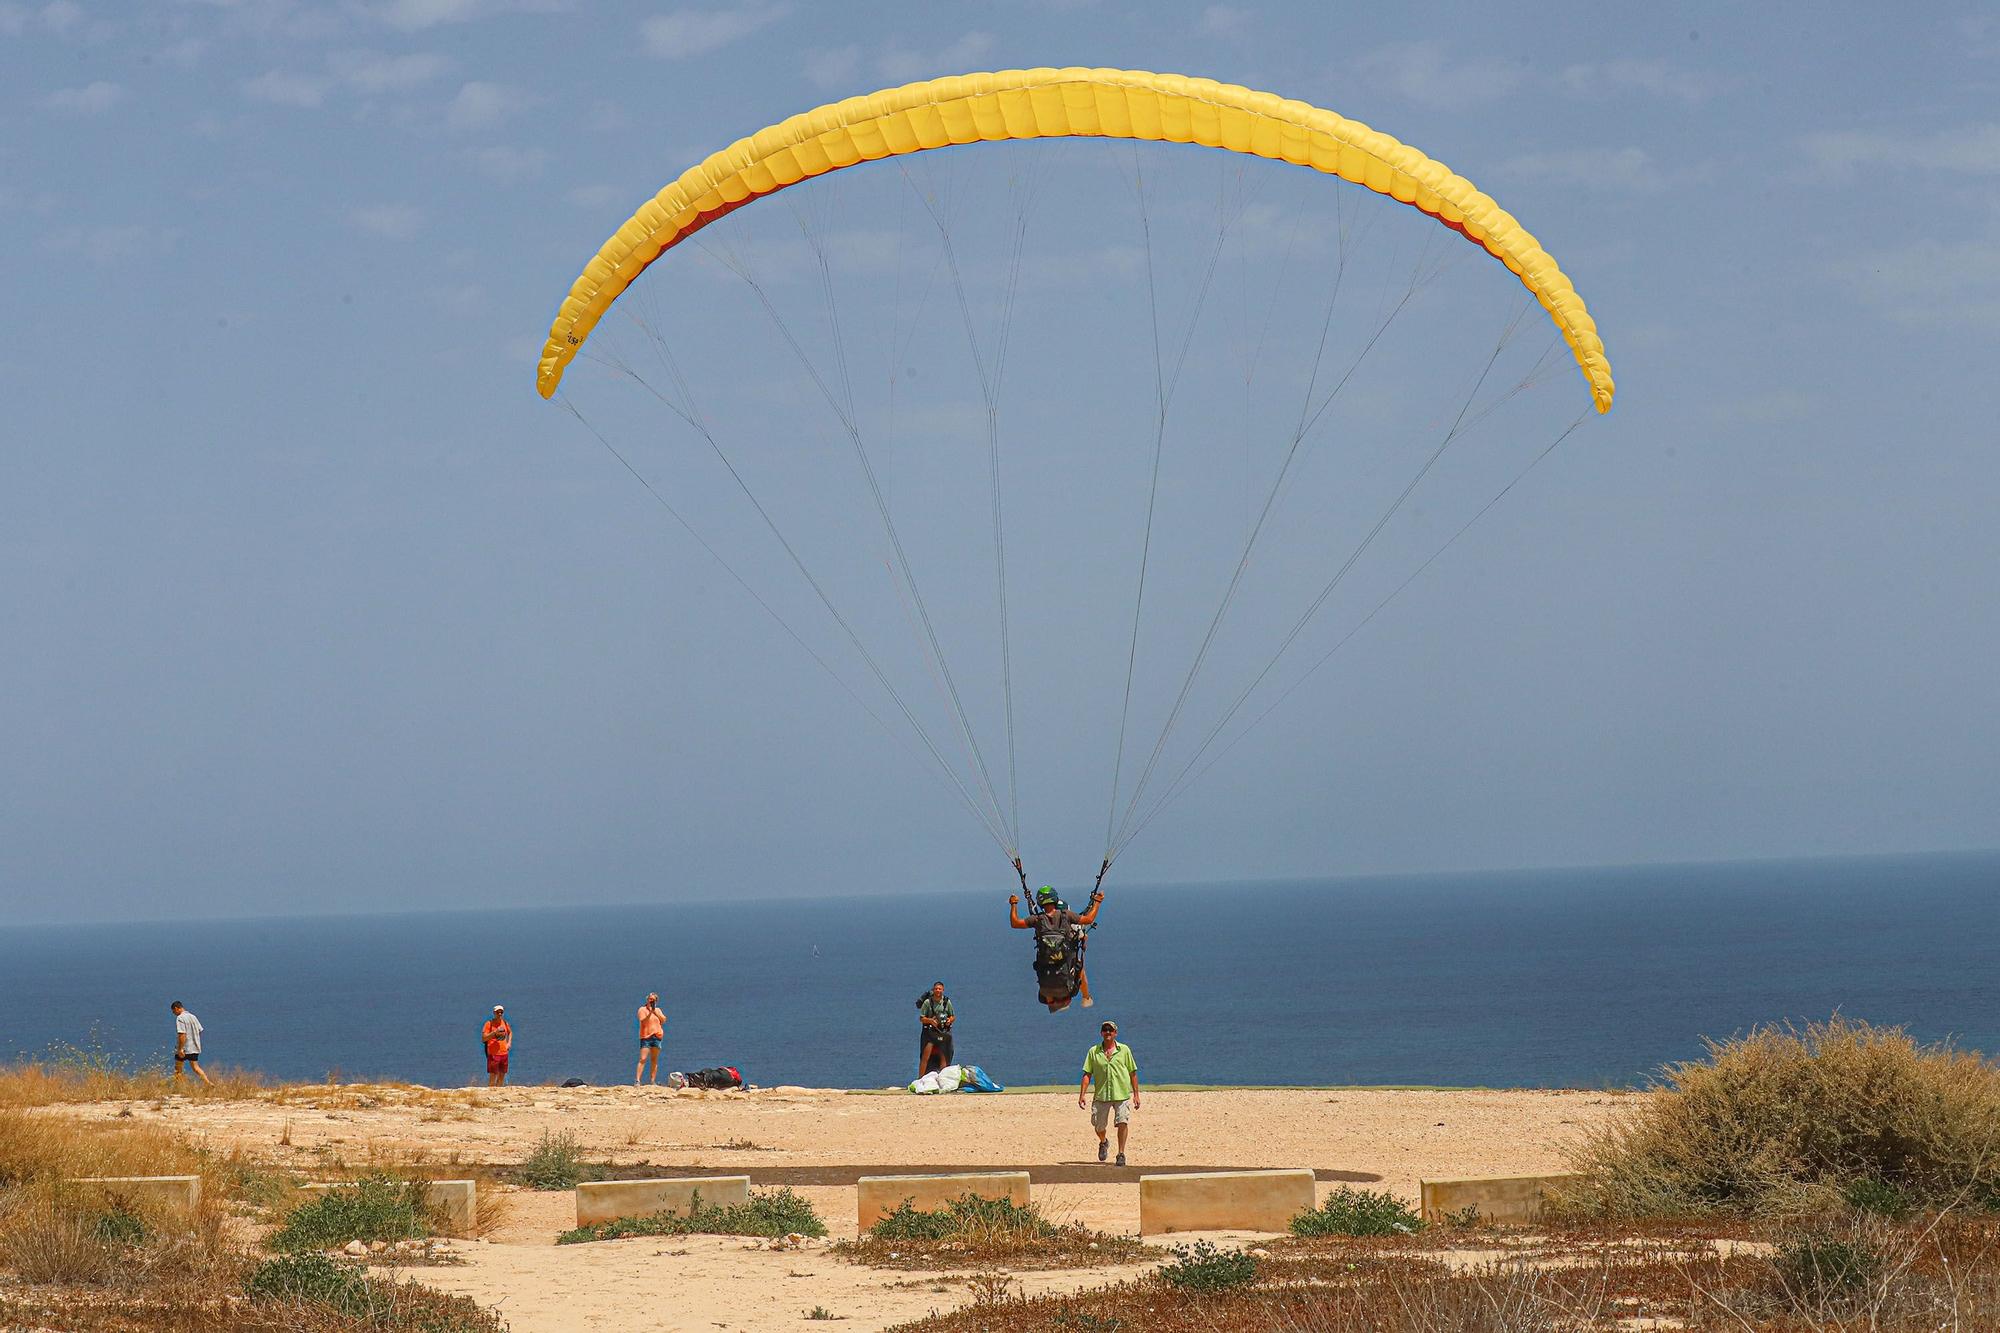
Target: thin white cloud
[[184, 54], [288, 88], [509, 165], [395, 222], [1931, 281], [597, 197], [92, 99], [373, 72], [415, 15], [1421, 72], [1656, 78], [834, 69], [1971, 150], [62, 17], [1627, 170], [1223, 20], [959, 57], [479, 104], [112, 244], [695, 32]]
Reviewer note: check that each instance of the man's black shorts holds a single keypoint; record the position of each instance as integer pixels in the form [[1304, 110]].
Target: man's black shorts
[[192, 1057]]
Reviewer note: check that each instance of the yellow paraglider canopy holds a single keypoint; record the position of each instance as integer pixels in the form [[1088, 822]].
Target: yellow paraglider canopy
[[1053, 103]]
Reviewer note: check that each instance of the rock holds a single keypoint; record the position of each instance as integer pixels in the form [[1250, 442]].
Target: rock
[[377, 1246], [1260, 1253], [355, 1248]]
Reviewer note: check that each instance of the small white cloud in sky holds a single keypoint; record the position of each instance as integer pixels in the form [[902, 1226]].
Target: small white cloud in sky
[[373, 72], [1224, 20], [1930, 281], [695, 32], [596, 197], [92, 99], [414, 15], [959, 57], [288, 88], [509, 165], [1629, 170], [395, 222], [62, 17], [1655, 77], [1972, 150], [1421, 72], [184, 54], [112, 244], [479, 104], [835, 68]]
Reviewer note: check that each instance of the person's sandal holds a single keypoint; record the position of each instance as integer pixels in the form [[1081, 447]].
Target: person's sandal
[[1121, 1159], [1103, 1149]]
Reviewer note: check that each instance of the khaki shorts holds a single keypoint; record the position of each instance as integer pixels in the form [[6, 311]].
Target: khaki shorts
[[1116, 1113]]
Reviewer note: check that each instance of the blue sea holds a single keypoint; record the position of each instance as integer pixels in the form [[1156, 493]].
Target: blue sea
[[1564, 978]]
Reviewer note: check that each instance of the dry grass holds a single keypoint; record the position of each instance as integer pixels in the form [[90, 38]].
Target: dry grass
[[1785, 1122]]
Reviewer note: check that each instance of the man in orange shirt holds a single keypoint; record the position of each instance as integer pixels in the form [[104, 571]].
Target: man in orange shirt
[[499, 1041], [652, 1027]]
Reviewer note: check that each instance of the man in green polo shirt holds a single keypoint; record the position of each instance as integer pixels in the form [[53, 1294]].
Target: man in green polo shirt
[[1110, 1066]]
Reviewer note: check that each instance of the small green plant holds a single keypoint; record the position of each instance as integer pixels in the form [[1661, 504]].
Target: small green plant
[[119, 1227], [1088, 1322], [968, 1215], [1464, 1219], [1203, 1268], [377, 1208], [1819, 1269], [777, 1212], [1878, 1197], [555, 1164], [320, 1283], [821, 1312], [308, 1277], [1352, 1212]]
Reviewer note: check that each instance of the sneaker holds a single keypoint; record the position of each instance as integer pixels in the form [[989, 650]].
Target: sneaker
[[1089, 1003], [1121, 1159], [1102, 1150]]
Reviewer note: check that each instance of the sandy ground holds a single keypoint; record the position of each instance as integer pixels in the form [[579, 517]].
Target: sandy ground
[[819, 1141]]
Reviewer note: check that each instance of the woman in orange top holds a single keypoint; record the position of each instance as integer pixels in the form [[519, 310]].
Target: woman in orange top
[[498, 1039], [652, 1027]]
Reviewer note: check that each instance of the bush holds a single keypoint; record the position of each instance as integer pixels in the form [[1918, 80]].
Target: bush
[[308, 1277], [776, 1212], [968, 1217], [1352, 1212], [313, 1282], [1203, 1268], [1784, 1121], [374, 1209], [1877, 1197], [1818, 1270], [119, 1227], [555, 1164]]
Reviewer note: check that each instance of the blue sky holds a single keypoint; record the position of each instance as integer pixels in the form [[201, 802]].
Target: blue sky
[[310, 604]]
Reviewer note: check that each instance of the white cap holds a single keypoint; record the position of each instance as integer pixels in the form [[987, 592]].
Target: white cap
[[498, 1007]]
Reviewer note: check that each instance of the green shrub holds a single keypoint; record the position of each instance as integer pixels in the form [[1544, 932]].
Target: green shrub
[[1817, 1270], [1352, 1212], [309, 1277], [968, 1217], [1202, 1268], [1877, 1197], [316, 1282], [1783, 1121], [555, 1164], [374, 1209], [119, 1227], [777, 1212]]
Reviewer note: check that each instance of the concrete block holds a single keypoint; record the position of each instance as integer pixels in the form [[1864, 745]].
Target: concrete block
[[877, 1196], [455, 1202], [1224, 1201], [602, 1200], [147, 1191], [1497, 1198]]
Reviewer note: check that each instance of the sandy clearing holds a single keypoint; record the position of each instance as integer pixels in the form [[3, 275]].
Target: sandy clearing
[[1390, 1138]]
